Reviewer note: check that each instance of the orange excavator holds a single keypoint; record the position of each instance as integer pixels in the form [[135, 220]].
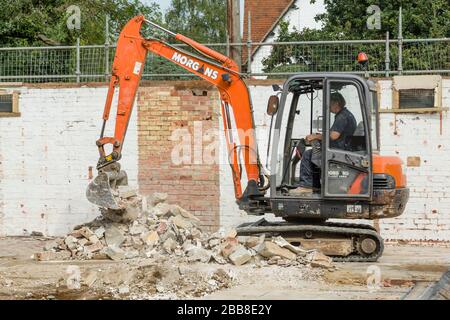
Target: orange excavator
[[349, 181]]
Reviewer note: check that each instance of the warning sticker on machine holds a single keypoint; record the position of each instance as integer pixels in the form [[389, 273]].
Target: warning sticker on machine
[[137, 68], [338, 174], [354, 208]]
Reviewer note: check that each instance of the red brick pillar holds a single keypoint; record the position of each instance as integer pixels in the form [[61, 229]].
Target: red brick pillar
[[163, 108]]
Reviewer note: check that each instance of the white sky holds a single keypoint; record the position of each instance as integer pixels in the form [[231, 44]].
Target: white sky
[[164, 4], [308, 11]]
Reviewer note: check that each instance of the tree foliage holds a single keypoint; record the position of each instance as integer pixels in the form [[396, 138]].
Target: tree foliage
[[38, 22], [347, 20], [202, 20], [421, 19]]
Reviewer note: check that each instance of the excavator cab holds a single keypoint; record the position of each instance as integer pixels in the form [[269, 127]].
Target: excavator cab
[[341, 175], [306, 110]]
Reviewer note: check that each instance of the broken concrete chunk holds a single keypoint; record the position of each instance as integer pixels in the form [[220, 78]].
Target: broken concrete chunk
[[240, 256], [86, 232], [182, 222], [168, 235], [114, 253], [126, 192], [269, 249], [169, 245], [252, 241], [214, 242], [215, 235], [318, 259], [162, 227], [95, 247], [284, 262], [93, 239], [99, 232], [131, 254], [338, 247], [195, 233], [71, 242], [50, 246], [177, 210], [187, 245], [231, 233], [156, 198], [284, 244], [83, 241], [242, 239], [137, 229], [162, 210], [114, 236], [151, 238], [228, 247], [199, 254], [218, 258], [51, 255], [273, 260]]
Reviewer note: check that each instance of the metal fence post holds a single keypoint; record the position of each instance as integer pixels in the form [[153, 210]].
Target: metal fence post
[[249, 45], [228, 44], [387, 59], [400, 43], [78, 71], [106, 48]]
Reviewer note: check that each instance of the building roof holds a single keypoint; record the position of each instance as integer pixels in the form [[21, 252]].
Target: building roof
[[265, 16]]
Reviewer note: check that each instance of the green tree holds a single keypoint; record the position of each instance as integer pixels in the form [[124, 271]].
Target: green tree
[[38, 22], [421, 19], [44, 23], [202, 20], [346, 20]]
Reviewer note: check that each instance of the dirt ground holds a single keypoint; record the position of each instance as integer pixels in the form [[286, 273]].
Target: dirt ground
[[400, 268]]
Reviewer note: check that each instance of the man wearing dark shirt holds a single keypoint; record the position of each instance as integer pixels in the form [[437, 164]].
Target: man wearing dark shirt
[[343, 127]]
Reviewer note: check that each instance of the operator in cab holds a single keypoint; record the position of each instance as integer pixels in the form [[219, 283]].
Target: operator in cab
[[341, 131]]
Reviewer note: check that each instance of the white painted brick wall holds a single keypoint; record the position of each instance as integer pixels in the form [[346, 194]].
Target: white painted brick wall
[[45, 155], [427, 216]]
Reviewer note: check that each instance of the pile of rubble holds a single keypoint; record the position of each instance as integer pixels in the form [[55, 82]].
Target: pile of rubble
[[161, 228]]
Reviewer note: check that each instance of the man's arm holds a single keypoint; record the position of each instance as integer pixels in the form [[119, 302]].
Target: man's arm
[[338, 127], [335, 131], [334, 135], [314, 136]]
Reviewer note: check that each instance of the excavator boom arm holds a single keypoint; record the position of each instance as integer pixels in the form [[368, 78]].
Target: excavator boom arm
[[213, 67]]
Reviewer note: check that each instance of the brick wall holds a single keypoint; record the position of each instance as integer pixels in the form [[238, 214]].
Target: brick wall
[[426, 137], [45, 158], [46, 152], [162, 110]]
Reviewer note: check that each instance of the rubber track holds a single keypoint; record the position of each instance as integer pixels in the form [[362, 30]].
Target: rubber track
[[332, 228]]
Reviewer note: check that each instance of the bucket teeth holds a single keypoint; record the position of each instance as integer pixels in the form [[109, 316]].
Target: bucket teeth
[[99, 192]]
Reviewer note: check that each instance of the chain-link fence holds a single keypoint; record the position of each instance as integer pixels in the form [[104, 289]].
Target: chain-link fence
[[280, 59]]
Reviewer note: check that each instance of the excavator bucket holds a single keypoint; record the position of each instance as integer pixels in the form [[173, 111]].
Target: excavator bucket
[[102, 191]]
